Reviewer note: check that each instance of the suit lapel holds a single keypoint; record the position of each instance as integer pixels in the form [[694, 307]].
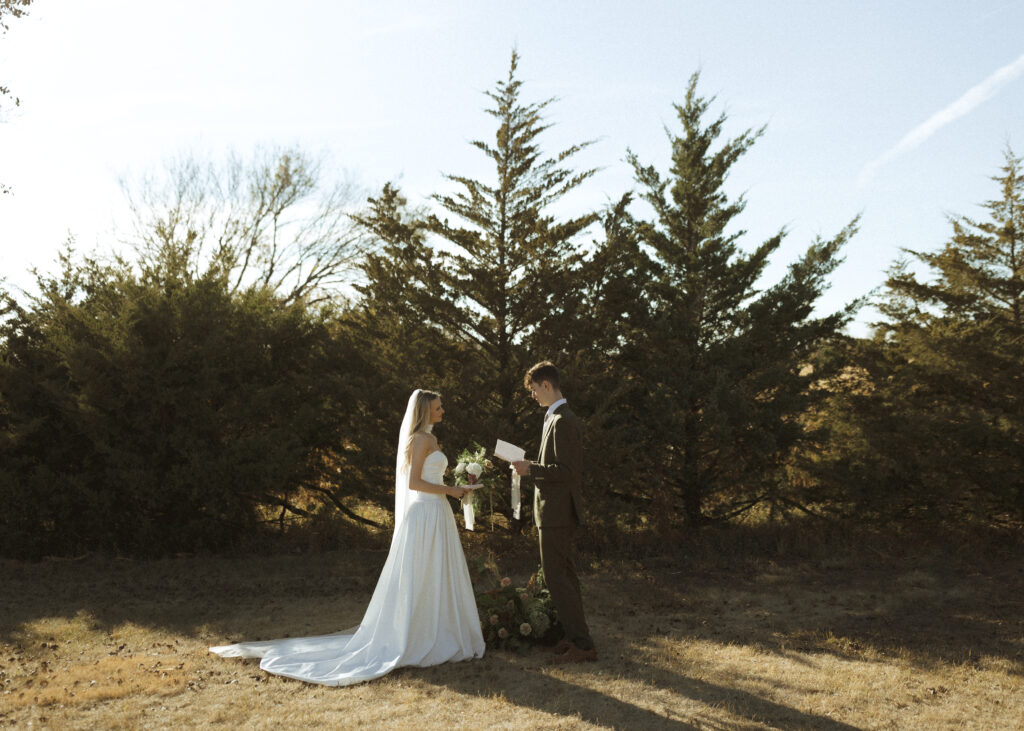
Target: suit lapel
[[545, 435], [547, 432]]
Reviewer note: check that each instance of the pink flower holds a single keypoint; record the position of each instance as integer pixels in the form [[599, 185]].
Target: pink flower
[[506, 582], [503, 633], [525, 629], [494, 619]]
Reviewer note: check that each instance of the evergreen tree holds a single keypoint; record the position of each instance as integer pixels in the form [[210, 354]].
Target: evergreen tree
[[726, 374], [394, 328], [476, 289], [601, 343], [935, 427], [511, 274], [149, 409]]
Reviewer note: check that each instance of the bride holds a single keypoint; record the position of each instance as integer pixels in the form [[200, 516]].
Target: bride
[[423, 611]]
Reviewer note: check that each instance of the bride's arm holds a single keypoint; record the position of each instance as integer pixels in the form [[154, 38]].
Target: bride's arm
[[422, 446]]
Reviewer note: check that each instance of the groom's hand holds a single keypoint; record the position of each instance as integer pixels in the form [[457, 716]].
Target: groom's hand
[[522, 467]]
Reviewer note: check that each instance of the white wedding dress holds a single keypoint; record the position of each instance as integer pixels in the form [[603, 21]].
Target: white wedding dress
[[423, 611]]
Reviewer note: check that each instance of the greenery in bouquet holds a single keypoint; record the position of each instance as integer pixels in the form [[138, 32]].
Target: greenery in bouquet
[[513, 617], [474, 462]]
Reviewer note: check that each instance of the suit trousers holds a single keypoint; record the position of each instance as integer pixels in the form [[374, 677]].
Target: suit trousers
[[556, 558]]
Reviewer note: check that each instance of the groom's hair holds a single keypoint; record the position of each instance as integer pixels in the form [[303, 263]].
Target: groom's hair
[[543, 371]]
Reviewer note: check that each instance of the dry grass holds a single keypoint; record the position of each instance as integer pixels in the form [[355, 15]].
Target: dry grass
[[837, 641]]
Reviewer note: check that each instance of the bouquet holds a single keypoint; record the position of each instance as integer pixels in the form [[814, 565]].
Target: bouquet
[[474, 469]]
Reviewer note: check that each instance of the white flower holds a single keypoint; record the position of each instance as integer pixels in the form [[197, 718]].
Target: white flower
[[539, 622], [460, 468], [474, 469]]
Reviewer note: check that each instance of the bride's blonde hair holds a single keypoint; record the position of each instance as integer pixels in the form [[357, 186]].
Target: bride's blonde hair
[[420, 419]]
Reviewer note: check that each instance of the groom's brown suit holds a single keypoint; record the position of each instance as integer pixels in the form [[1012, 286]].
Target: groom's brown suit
[[557, 510]]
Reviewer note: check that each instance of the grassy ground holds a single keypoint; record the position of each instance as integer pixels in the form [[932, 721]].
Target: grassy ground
[[831, 639]]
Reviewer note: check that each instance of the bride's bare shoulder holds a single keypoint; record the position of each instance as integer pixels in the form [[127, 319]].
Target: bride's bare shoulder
[[422, 440]]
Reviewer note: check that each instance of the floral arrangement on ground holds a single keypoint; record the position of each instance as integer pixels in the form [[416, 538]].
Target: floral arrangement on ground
[[513, 617]]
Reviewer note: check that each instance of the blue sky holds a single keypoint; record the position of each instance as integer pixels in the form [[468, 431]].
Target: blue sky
[[899, 111]]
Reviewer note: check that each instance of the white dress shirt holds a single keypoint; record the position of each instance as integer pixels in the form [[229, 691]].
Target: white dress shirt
[[552, 408]]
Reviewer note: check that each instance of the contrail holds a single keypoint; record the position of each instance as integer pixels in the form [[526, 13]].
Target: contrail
[[965, 104]]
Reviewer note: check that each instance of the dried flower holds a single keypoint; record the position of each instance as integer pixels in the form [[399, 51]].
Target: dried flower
[[525, 629], [503, 633], [494, 619], [505, 582], [524, 596]]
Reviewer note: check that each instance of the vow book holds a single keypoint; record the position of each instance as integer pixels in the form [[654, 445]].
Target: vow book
[[509, 452]]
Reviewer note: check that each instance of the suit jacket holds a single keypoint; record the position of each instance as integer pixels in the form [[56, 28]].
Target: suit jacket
[[558, 473]]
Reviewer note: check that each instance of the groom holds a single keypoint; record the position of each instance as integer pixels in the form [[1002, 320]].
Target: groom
[[558, 509]]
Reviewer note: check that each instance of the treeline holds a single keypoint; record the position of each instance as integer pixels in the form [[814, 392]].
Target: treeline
[[218, 382]]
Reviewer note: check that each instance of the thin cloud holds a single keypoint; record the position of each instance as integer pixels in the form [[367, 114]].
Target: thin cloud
[[974, 97]]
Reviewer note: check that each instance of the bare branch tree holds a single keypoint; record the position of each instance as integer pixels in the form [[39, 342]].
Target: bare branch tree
[[273, 220], [10, 9]]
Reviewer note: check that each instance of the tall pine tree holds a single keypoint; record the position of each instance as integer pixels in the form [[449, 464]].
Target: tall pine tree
[[395, 327], [726, 375], [935, 430], [481, 284], [510, 275]]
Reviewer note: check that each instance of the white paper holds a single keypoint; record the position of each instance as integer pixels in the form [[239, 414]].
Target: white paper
[[512, 453], [509, 452]]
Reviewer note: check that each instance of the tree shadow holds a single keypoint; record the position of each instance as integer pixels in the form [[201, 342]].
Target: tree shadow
[[223, 599], [932, 613], [937, 612], [192, 596], [562, 697]]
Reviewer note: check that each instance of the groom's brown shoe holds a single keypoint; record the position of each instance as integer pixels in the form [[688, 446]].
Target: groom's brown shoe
[[560, 647], [574, 654]]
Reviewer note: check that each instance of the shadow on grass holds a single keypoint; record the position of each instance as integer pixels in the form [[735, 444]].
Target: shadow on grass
[[539, 688], [936, 608], [226, 595], [931, 610], [192, 596]]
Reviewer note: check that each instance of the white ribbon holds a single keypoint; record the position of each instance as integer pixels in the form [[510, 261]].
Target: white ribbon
[[516, 497], [467, 511]]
